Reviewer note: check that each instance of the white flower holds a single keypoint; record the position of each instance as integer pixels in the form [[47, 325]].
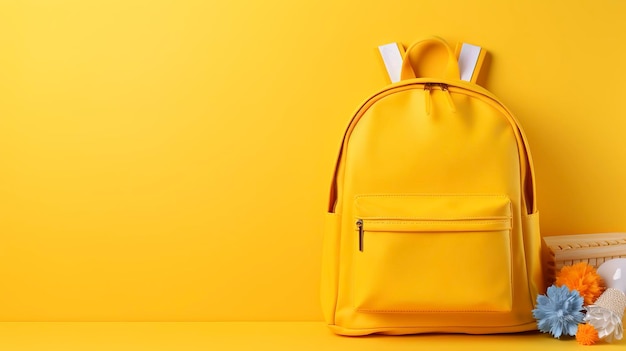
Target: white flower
[[607, 323], [606, 314]]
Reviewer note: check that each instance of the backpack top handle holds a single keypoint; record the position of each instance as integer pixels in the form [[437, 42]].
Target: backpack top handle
[[430, 58]]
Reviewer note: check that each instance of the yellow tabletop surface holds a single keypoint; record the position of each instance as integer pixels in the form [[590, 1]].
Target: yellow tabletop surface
[[95, 336]]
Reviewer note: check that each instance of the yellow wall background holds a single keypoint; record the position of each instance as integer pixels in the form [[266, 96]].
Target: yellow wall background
[[170, 160]]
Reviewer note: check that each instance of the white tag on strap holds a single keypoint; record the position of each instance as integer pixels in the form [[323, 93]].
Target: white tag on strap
[[392, 57], [468, 60]]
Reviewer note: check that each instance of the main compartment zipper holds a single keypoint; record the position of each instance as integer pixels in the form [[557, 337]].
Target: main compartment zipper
[[428, 87]]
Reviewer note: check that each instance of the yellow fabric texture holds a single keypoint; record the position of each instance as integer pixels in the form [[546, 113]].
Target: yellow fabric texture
[[432, 219]]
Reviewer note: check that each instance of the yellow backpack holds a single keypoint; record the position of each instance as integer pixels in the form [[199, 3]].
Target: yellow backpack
[[432, 224]]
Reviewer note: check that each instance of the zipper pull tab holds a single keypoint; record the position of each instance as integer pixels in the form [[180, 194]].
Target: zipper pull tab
[[359, 225], [444, 88], [427, 98]]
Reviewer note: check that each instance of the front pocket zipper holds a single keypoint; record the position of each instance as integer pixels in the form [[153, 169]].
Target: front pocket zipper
[[359, 227], [421, 225], [432, 253]]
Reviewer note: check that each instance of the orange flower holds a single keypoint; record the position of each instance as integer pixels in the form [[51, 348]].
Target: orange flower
[[583, 278], [587, 334]]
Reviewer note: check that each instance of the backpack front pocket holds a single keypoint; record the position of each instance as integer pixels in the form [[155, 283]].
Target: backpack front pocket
[[432, 253]]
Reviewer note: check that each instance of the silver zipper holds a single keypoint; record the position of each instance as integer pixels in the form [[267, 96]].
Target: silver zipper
[[428, 87], [427, 98], [444, 88], [359, 225]]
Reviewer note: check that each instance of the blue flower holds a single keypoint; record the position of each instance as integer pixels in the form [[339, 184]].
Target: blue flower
[[559, 312]]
